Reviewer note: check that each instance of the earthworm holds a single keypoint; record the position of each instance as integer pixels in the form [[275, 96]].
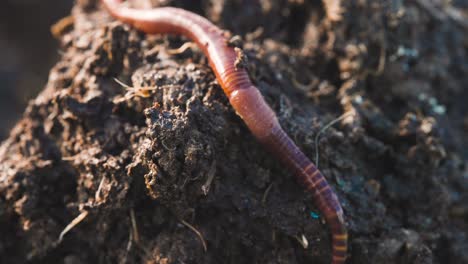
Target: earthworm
[[246, 100]]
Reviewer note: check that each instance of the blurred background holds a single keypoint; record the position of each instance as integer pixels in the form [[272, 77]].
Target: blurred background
[[27, 51]]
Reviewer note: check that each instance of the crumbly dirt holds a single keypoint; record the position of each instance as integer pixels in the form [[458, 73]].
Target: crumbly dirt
[[162, 167]]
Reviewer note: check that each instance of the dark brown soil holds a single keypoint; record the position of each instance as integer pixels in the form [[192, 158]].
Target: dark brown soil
[[148, 168]]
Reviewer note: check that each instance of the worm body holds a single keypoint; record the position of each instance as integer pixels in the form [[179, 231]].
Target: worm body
[[246, 100]]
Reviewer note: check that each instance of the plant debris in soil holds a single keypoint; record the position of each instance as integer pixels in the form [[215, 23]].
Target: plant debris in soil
[[132, 153]]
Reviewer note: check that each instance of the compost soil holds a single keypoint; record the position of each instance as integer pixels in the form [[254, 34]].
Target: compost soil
[[132, 153]]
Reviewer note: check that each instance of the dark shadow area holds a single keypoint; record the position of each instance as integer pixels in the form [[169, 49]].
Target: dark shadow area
[[28, 51]]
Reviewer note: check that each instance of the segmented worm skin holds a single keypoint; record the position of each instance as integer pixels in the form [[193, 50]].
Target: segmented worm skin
[[246, 100]]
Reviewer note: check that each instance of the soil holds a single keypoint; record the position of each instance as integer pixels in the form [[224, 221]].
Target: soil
[[99, 172]]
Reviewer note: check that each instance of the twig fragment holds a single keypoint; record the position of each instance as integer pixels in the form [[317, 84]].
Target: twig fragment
[[133, 91], [265, 195], [182, 49], [72, 224], [327, 126], [303, 241], [211, 173], [200, 236], [136, 235]]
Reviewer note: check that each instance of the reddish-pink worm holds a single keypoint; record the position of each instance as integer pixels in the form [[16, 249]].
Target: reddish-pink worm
[[246, 100]]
